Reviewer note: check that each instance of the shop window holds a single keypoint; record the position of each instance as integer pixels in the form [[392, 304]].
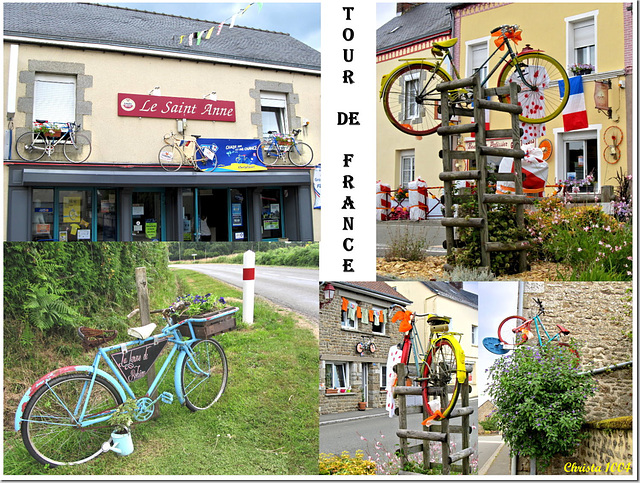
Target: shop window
[[239, 215], [74, 215], [407, 167], [271, 213], [42, 216], [188, 214], [54, 98], [273, 106], [337, 375], [581, 163], [106, 225], [581, 36]]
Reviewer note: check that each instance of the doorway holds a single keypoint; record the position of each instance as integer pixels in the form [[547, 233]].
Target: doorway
[[147, 216]]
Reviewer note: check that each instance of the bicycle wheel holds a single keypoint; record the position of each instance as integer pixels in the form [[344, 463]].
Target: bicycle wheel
[[506, 333], [439, 378], [50, 431], [573, 351], [613, 136], [549, 93], [267, 153], [204, 381], [170, 157], [611, 154], [372, 347], [359, 348], [410, 98], [77, 148], [30, 147], [300, 154], [206, 164]]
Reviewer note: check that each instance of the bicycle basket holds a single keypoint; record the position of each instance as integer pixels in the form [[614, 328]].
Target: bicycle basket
[[95, 337]]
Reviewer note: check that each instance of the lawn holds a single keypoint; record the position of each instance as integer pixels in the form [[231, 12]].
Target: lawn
[[266, 423]]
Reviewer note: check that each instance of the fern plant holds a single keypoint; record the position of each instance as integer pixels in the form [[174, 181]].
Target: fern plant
[[47, 309]]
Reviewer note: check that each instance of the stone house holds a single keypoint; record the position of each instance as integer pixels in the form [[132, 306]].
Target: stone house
[[357, 313]]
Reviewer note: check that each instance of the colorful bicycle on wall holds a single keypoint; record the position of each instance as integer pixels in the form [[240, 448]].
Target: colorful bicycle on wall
[[515, 330], [45, 136]]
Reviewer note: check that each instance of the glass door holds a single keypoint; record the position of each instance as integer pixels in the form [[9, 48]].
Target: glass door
[[147, 216], [271, 199], [75, 215]]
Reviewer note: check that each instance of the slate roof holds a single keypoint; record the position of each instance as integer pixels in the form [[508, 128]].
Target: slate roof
[[422, 21], [128, 28], [376, 288], [452, 293]]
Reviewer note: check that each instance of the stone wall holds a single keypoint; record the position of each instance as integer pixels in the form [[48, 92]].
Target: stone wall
[[598, 315], [338, 344]]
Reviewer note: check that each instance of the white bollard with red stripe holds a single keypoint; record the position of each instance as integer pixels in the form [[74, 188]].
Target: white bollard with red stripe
[[248, 285]]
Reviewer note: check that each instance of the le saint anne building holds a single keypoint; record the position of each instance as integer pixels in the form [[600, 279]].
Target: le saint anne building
[[130, 77]]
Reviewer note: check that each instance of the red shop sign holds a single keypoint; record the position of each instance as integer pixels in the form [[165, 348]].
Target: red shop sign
[[140, 105]]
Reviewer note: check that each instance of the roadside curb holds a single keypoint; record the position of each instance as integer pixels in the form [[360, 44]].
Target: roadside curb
[[352, 418]]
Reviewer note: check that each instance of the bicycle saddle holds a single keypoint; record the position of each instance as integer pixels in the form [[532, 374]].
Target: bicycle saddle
[[446, 44], [142, 332], [563, 331], [196, 136]]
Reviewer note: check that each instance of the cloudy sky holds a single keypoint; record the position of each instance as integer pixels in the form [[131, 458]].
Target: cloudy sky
[[300, 20]]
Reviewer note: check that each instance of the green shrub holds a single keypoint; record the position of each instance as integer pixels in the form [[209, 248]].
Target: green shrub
[[540, 400], [330, 464], [406, 246], [490, 424]]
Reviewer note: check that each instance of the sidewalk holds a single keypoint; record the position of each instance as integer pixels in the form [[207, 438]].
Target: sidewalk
[[499, 463], [352, 416]]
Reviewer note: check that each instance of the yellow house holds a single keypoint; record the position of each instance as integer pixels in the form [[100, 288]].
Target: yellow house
[[451, 300], [599, 34]]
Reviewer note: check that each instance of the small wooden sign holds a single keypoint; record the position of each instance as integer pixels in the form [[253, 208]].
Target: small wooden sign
[[135, 363]]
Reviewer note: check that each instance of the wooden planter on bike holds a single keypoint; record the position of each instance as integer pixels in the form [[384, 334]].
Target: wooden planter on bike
[[209, 324]]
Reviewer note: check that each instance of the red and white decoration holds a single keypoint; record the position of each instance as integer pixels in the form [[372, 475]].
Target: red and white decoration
[[418, 199], [535, 172], [533, 103], [383, 201]]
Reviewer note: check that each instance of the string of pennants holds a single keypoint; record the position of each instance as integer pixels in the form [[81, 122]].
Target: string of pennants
[[354, 312], [206, 34]]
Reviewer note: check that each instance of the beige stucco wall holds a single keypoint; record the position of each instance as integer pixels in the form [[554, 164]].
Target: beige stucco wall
[[462, 316], [119, 139]]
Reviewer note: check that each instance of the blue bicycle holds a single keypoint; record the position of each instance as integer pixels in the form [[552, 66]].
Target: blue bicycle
[[64, 416]]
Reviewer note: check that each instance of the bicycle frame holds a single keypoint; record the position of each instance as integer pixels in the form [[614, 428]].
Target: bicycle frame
[[169, 333], [538, 322]]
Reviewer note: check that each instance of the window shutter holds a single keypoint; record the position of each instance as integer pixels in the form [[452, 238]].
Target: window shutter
[[54, 98], [583, 33]]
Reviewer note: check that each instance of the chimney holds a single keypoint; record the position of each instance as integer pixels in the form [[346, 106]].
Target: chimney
[[404, 7], [456, 285]]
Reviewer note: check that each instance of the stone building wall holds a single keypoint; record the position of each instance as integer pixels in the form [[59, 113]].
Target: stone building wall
[[338, 344], [598, 315]]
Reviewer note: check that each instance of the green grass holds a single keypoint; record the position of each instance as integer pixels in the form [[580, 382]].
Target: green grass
[[266, 423]]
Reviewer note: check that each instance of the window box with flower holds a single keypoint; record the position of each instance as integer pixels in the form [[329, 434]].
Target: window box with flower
[[581, 69]]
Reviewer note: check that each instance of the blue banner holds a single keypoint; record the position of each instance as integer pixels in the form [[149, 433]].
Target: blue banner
[[231, 154]]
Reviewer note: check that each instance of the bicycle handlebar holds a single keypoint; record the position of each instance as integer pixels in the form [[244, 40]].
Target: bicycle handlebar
[[505, 27]]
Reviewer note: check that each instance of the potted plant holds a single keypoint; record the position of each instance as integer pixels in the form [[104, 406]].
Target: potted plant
[[122, 420], [190, 305], [362, 404], [204, 308]]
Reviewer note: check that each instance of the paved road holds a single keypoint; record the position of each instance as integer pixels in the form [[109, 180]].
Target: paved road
[[346, 431], [294, 288]]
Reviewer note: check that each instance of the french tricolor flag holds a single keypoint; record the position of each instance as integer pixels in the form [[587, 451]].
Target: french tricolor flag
[[574, 115]]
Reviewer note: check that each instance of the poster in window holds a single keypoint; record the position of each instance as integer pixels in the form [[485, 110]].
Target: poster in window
[[236, 214], [84, 234], [151, 228], [71, 207], [138, 209], [43, 229]]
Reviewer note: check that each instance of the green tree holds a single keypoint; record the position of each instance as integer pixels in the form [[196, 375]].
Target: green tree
[[540, 400]]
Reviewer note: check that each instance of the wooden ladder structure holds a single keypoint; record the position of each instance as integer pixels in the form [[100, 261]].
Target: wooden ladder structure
[[440, 433], [479, 159]]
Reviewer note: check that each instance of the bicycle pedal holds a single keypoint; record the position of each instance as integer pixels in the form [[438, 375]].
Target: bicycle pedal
[[166, 397]]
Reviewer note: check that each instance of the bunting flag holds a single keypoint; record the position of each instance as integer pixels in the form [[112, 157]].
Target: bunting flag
[[206, 34]]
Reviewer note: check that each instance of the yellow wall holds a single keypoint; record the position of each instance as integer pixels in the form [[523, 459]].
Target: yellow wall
[[543, 27]]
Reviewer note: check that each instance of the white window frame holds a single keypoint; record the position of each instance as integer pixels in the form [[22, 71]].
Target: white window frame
[[331, 367], [561, 137], [55, 97], [275, 102], [383, 377], [411, 107], [474, 335], [409, 156], [471, 47], [571, 23], [347, 323]]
